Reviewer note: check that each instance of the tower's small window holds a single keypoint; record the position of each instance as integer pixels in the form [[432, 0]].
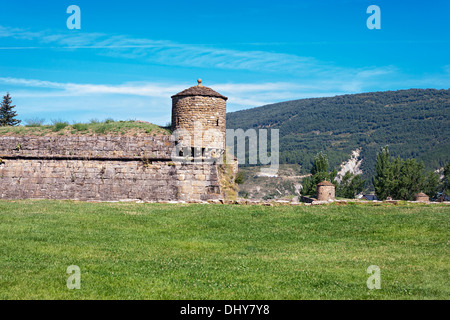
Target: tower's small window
[[217, 124], [178, 121]]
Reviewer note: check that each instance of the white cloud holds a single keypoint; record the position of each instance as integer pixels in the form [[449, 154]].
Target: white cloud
[[249, 94], [165, 52], [145, 100], [74, 89], [151, 100]]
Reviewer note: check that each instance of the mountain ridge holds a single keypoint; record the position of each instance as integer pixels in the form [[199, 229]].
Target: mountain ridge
[[413, 122]]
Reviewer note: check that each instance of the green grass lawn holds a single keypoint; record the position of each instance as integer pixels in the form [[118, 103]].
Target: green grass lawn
[[161, 251]]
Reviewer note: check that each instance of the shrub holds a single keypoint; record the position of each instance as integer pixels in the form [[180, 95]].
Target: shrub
[[34, 122], [102, 129], [240, 177], [81, 126], [58, 126]]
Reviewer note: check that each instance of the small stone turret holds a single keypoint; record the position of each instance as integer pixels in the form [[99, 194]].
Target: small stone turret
[[421, 197], [325, 191], [201, 112]]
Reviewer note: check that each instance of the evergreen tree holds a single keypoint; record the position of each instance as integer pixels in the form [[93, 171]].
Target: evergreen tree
[[402, 179], [446, 180], [308, 187], [396, 176], [431, 184], [350, 185], [320, 164], [383, 179], [7, 114], [319, 173], [411, 180]]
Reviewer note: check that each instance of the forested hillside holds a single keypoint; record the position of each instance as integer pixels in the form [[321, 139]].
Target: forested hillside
[[414, 123]]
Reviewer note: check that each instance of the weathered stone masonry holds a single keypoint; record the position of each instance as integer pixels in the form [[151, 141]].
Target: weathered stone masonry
[[112, 168], [106, 168]]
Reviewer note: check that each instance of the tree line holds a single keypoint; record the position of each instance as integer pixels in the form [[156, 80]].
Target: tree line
[[402, 179], [414, 123], [348, 187], [395, 178]]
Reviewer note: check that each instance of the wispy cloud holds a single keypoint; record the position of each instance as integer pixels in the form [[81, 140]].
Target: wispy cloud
[[318, 77], [151, 100], [241, 94], [169, 53], [75, 89], [147, 99]]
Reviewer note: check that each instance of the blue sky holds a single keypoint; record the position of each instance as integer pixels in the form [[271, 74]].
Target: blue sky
[[130, 56]]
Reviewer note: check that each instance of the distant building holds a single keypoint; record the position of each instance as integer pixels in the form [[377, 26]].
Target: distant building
[[443, 197], [370, 197], [421, 197], [325, 191]]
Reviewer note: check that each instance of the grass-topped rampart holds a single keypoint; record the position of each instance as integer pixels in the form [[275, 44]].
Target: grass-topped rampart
[[94, 127]]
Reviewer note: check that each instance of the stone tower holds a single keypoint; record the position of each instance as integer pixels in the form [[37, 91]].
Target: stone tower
[[421, 197], [199, 117], [325, 191]]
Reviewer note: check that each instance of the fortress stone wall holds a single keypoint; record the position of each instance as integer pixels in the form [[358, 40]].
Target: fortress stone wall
[[103, 168], [113, 168], [87, 147]]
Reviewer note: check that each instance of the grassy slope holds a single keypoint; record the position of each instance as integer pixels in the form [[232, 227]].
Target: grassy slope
[[93, 128], [153, 251]]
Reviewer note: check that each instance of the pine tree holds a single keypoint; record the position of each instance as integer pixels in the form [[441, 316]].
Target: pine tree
[[320, 164], [7, 114], [384, 177], [431, 185], [411, 180], [446, 180], [319, 173], [350, 185], [402, 179]]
